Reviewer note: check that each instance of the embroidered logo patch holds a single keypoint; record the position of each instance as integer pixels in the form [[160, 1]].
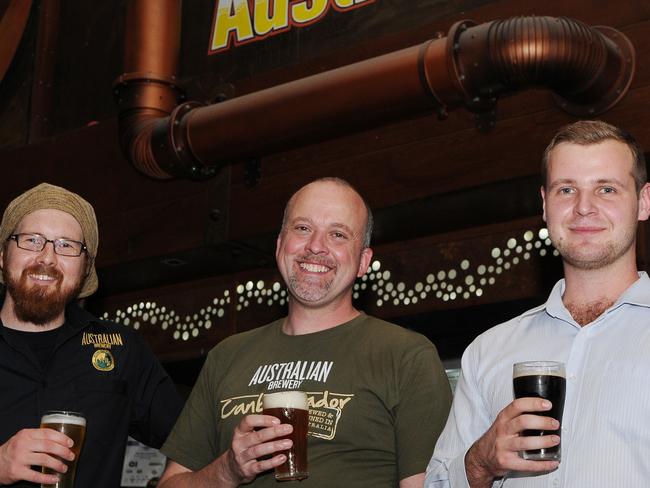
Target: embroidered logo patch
[[103, 360], [105, 341]]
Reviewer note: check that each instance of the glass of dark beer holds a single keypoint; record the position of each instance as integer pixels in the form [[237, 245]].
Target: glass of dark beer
[[291, 408], [73, 425], [541, 379]]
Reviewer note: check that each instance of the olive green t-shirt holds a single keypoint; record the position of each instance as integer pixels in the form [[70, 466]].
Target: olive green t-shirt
[[378, 399]]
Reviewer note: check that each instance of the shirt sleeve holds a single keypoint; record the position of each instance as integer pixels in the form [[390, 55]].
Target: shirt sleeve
[[425, 397], [192, 443], [468, 420], [156, 401]]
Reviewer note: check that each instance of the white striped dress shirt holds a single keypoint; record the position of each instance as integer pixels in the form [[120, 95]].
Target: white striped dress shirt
[[606, 421]]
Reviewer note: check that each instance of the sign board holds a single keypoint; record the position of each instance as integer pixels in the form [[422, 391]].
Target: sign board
[[141, 464]]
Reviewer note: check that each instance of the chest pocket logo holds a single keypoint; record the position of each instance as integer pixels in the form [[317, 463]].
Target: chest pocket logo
[[103, 360]]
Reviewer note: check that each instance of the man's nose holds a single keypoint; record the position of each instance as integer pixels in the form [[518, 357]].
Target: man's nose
[[585, 204], [47, 255], [317, 243]]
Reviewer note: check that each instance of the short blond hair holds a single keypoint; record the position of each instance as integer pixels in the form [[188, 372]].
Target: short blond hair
[[588, 132]]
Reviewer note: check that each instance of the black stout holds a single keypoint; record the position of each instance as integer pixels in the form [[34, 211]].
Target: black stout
[[552, 388]]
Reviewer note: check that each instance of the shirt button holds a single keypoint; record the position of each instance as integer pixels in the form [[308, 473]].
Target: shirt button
[[572, 377], [556, 482]]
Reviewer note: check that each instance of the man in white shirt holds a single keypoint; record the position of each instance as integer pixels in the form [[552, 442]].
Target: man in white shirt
[[596, 320]]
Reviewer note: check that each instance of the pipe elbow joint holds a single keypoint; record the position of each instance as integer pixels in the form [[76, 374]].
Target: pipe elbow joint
[[153, 133], [589, 69]]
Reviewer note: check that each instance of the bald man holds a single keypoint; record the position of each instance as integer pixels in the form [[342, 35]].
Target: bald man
[[377, 393]]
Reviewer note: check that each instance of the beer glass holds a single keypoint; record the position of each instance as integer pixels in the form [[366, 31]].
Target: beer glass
[[73, 425], [291, 408], [541, 379]]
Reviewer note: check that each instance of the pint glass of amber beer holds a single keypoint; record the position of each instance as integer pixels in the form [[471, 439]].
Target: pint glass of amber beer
[[541, 379], [73, 425], [291, 408]]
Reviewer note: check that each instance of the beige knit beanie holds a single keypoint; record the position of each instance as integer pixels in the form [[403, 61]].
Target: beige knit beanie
[[46, 196]]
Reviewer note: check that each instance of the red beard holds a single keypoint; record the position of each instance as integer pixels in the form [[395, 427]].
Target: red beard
[[39, 304]]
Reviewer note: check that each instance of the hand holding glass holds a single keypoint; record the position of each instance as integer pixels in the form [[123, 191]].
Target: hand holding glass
[[291, 408], [541, 379], [73, 425]]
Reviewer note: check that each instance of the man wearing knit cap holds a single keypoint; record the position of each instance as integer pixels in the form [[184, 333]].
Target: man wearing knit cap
[[56, 356]]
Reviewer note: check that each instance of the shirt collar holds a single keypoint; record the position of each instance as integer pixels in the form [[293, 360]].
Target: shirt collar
[[638, 293]]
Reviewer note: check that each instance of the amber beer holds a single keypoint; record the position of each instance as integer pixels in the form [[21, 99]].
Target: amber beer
[[291, 408], [73, 425], [541, 379]]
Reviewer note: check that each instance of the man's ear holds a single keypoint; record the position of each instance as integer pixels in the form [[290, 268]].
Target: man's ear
[[644, 202], [543, 193], [364, 262], [278, 243]]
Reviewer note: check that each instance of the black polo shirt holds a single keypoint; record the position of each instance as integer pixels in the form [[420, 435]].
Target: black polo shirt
[[100, 368]]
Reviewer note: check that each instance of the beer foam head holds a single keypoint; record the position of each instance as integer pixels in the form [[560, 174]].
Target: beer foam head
[[286, 399], [546, 368], [62, 418]]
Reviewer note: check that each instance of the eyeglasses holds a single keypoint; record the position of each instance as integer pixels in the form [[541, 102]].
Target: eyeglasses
[[37, 242]]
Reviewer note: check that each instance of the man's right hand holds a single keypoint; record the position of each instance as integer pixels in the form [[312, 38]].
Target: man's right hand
[[255, 437], [34, 447], [497, 451]]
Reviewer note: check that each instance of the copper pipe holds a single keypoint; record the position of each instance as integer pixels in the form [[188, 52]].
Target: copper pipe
[[313, 108], [589, 69], [147, 92]]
